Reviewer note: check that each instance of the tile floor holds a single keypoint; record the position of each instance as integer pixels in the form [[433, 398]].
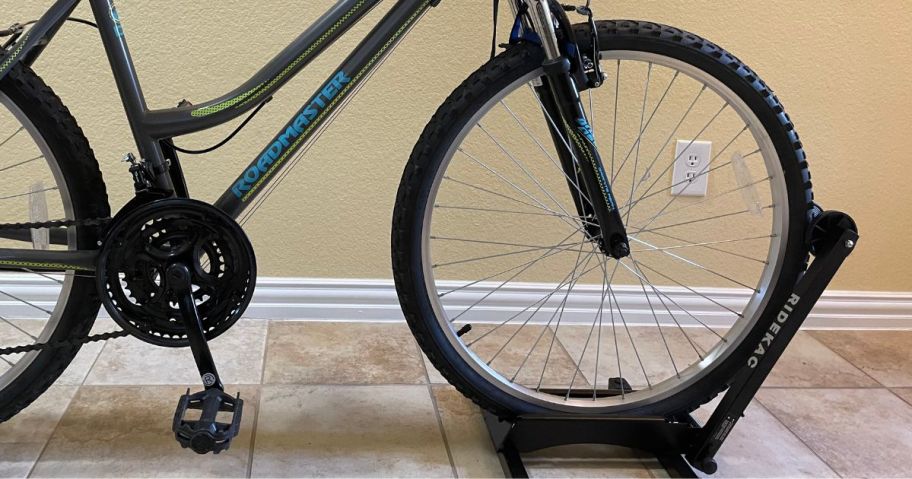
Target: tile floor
[[357, 399]]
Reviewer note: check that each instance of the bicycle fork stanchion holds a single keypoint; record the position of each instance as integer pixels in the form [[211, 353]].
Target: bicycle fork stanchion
[[570, 119], [833, 236], [205, 434]]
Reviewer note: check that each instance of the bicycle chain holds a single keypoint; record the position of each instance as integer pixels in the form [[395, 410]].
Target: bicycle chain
[[65, 342], [54, 224], [69, 341]]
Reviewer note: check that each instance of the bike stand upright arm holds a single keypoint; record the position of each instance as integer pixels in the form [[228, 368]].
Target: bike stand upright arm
[[832, 237]]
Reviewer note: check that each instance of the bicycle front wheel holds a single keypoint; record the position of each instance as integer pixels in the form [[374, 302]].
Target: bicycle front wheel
[[519, 309]]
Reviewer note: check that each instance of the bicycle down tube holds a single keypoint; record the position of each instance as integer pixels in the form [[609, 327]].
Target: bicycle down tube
[[355, 69]]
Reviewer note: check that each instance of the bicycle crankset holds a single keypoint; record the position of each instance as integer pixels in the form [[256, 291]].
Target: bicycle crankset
[[141, 246], [179, 272]]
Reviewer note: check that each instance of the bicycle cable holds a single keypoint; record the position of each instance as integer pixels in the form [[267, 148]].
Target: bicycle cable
[[69, 19], [494, 35], [227, 138]]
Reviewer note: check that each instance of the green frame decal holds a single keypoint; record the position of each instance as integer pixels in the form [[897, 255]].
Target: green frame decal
[[258, 90]]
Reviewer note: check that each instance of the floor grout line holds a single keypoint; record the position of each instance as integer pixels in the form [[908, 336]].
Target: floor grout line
[[53, 432], [430, 390], [800, 439], [837, 353], [256, 416], [66, 409], [907, 401], [94, 362]]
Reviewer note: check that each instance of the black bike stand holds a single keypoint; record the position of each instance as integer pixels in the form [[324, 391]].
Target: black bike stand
[[680, 443], [656, 435]]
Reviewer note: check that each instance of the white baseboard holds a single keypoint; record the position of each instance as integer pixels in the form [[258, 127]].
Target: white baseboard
[[375, 300]]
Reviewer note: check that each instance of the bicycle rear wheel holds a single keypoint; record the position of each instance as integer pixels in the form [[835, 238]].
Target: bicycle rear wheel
[[48, 173], [517, 307]]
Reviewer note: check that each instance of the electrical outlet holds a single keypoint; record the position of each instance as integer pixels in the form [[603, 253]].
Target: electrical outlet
[[691, 168]]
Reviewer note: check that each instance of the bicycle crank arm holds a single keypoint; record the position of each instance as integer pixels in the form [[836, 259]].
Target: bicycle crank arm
[[205, 434]]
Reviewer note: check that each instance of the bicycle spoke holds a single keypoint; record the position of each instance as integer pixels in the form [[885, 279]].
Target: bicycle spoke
[[656, 318], [11, 136], [713, 248], [629, 336], [541, 303], [554, 333], [499, 255], [650, 195], [691, 142], [680, 122], [497, 243], [715, 197], [617, 88], [467, 285], [514, 212], [27, 194], [692, 245], [521, 271], [700, 173], [650, 268], [598, 318], [708, 218], [25, 302], [547, 154], [544, 299], [643, 279], [697, 265], [479, 188], [643, 128], [636, 162], [672, 301], [17, 328], [523, 325], [25, 162], [524, 169]]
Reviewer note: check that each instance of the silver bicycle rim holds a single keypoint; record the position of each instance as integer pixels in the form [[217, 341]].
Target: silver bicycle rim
[[716, 355], [64, 282]]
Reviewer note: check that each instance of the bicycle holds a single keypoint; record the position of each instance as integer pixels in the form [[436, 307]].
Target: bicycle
[[579, 262]]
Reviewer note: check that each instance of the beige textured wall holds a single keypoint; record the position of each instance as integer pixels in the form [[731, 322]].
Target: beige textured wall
[[841, 68]]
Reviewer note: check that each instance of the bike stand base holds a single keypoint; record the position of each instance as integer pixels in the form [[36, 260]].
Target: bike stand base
[[666, 440]]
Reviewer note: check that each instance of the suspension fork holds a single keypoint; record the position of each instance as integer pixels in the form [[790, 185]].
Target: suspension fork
[[581, 161]]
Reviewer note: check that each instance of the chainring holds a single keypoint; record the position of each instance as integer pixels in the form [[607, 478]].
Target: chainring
[[138, 249]]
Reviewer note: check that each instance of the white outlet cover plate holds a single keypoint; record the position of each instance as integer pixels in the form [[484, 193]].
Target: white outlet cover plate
[[691, 161]]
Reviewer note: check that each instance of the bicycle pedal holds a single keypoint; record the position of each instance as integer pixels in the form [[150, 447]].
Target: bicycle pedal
[[205, 434]]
